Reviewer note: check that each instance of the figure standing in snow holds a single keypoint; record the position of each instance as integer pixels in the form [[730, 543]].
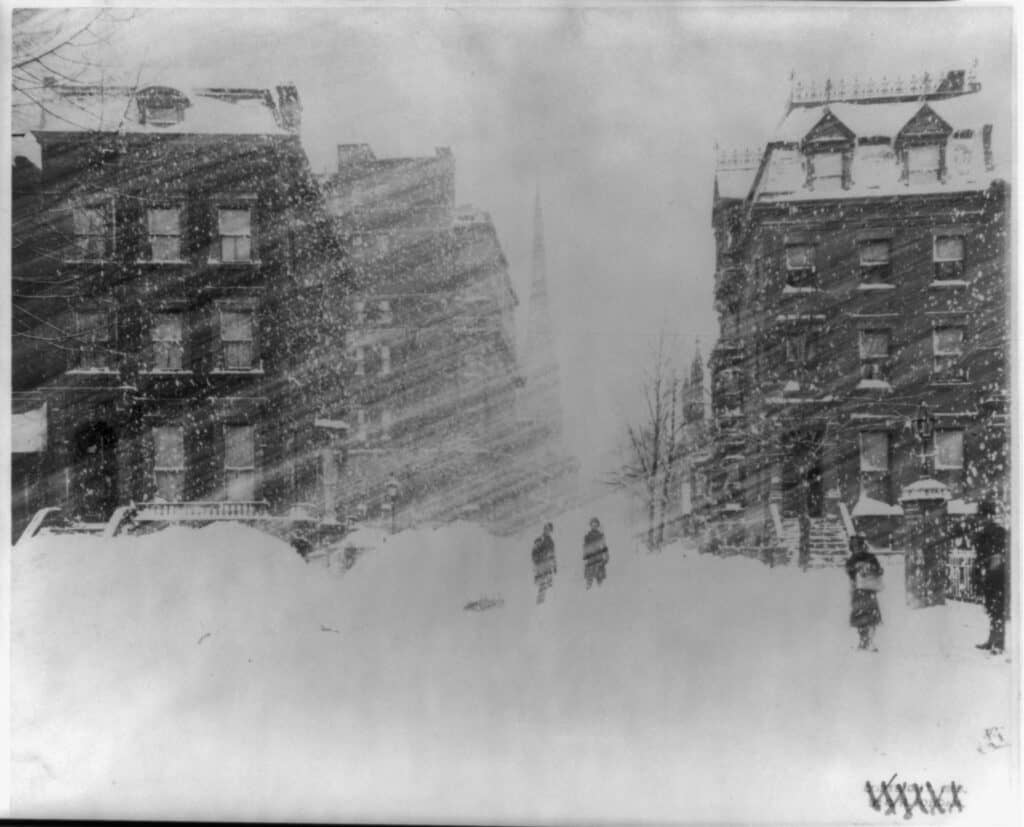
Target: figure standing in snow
[[595, 555], [989, 574], [865, 573], [544, 564]]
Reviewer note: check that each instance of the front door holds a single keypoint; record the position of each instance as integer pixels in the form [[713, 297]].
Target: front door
[[94, 496], [803, 488]]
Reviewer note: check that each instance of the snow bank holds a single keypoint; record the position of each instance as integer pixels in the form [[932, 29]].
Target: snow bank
[[214, 674]]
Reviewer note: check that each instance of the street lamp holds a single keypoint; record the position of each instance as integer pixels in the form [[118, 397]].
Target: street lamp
[[391, 489], [924, 428]]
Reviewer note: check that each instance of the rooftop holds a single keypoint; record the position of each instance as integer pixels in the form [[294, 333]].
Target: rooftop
[[156, 109]]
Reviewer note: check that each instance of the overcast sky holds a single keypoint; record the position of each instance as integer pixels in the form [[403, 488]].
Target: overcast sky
[[614, 112]]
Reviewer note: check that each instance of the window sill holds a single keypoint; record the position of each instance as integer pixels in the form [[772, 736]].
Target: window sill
[[88, 260], [790, 290], [873, 385], [166, 372], [171, 262], [216, 262], [868, 287], [947, 284], [93, 371], [237, 372]]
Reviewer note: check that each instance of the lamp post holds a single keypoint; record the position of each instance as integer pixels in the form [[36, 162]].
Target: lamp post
[[391, 490], [924, 428]]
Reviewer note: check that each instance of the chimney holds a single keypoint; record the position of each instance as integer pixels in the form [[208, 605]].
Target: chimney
[[289, 106], [349, 154]]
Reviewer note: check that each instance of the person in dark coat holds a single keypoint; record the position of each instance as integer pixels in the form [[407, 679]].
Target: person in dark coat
[[989, 574], [544, 564], [595, 555], [864, 571]]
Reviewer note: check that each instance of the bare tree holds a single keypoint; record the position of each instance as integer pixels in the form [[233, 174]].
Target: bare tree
[[655, 446], [57, 45]]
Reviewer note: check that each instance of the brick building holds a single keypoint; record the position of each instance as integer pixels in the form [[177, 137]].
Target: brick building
[[171, 257], [431, 367], [861, 286]]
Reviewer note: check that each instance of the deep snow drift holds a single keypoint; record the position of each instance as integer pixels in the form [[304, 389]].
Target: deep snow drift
[[214, 674]]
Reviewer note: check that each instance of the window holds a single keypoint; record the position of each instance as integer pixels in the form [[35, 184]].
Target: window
[[949, 449], [947, 349], [360, 312], [234, 227], [169, 462], [827, 170], [949, 257], [166, 334], [874, 451], [240, 462], [361, 425], [875, 261], [384, 312], [93, 232], [164, 227], [874, 354], [800, 349], [385, 360], [236, 333], [92, 329], [360, 359], [386, 422], [800, 265], [923, 164]]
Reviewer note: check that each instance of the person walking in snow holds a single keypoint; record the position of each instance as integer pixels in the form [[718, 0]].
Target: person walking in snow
[[595, 555], [989, 574], [865, 573], [544, 564]]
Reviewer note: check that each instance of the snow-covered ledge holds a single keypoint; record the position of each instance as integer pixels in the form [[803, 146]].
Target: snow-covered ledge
[[869, 507]]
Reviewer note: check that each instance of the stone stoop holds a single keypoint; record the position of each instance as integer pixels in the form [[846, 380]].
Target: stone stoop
[[829, 544]]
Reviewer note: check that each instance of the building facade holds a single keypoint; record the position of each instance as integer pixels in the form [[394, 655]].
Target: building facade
[[171, 261], [431, 371], [861, 286]]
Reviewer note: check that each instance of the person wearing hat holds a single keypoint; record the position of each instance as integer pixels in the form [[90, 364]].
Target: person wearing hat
[[544, 564], [595, 555], [865, 573], [989, 573]]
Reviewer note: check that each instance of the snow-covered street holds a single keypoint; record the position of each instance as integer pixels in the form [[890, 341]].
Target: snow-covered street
[[213, 674]]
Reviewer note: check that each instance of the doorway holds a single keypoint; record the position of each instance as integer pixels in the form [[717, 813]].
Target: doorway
[[94, 494]]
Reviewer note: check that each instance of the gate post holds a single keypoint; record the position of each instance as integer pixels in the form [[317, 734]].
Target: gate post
[[924, 507]]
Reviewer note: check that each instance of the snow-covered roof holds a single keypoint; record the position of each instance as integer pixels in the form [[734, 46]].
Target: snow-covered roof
[[734, 183], [868, 507], [961, 507], [876, 169], [928, 489], [208, 112]]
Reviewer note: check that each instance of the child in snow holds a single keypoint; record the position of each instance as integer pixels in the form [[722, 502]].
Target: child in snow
[[865, 573], [595, 555], [544, 564]]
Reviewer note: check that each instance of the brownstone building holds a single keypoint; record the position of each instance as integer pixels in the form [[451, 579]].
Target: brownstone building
[[431, 370], [171, 263], [861, 285]]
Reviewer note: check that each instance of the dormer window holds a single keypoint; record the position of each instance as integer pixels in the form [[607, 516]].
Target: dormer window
[[922, 147], [161, 106], [924, 164], [827, 171]]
